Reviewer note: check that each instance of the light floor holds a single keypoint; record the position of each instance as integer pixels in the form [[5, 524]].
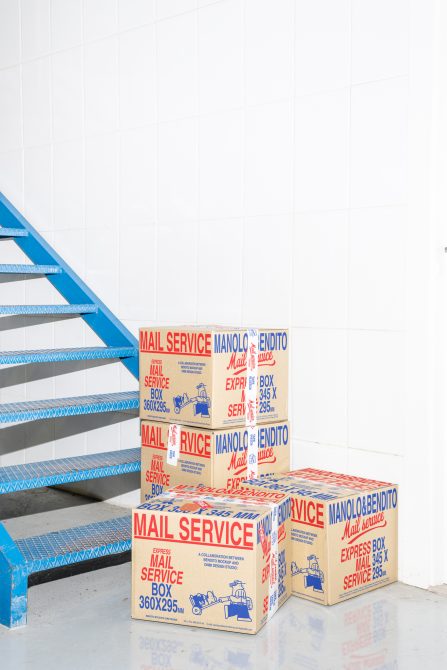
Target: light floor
[[83, 622]]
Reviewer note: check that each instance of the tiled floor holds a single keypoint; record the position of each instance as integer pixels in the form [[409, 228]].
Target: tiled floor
[[83, 623]]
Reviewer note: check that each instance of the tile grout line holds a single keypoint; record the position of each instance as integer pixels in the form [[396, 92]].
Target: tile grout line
[[348, 241], [52, 217], [22, 139], [118, 190], [199, 131], [157, 172], [243, 19], [84, 194], [294, 458]]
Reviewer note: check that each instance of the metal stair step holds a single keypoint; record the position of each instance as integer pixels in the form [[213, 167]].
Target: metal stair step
[[27, 269], [13, 232], [49, 409], [21, 558], [57, 355], [37, 310], [68, 470], [64, 547]]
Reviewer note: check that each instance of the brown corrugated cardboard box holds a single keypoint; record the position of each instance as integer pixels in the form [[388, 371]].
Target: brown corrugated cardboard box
[[198, 375], [213, 458], [344, 532], [210, 560]]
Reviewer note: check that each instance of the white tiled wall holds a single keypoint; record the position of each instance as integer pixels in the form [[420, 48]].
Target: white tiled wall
[[181, 152]]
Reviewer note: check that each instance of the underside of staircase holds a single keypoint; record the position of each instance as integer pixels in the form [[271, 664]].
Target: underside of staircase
[[21, 558]]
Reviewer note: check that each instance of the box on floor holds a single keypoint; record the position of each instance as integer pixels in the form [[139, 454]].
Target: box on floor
[[214, 561], [344, 532]]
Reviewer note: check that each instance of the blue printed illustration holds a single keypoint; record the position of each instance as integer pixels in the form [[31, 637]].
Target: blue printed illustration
[[238, 603], [313, 576], [201, 402], [205, 657]]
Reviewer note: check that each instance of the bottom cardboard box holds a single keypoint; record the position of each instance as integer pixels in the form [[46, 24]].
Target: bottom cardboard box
[[212, 562]]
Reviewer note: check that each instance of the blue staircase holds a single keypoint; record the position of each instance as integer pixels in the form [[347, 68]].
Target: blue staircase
[[21, 558]]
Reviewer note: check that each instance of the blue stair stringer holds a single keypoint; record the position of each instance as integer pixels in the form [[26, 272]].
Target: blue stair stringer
[[21, 558]]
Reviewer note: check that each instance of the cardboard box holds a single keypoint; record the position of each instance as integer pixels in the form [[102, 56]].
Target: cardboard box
[[214, 458], [198, 375], [211, 561], [344, 532]]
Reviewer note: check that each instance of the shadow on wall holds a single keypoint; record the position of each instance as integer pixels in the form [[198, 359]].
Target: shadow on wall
[[31, 372], [19, 321], [9, 278], [37, 501], [35, 433], [110, 489]]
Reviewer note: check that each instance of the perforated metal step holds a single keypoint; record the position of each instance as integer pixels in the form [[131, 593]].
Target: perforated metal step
[[13, 232], [56, 355], [26, 269], [45, 552], [37, 310], [68, 470], [24, 557], [76, 406]]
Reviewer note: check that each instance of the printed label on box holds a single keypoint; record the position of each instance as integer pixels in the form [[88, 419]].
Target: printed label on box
[[213, 377], [174, 433]]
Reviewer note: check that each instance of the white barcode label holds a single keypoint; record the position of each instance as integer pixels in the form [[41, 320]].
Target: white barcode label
[[273, 581], [251, 388], [173, 443], [252, 452]]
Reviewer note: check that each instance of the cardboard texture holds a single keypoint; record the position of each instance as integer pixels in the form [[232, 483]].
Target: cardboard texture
[[213, 458], [344, 532], [212, 560], [198, 375]]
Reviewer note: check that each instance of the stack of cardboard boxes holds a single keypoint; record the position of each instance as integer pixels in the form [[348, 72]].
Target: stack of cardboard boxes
[[202, 422], [225, 532]]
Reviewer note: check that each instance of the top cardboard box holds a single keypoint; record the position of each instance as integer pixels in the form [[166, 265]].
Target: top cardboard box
[[198, 375]]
